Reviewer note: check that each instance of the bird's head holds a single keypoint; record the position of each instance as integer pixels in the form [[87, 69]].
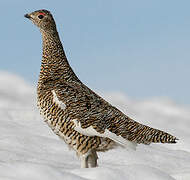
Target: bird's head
[[42, 19]]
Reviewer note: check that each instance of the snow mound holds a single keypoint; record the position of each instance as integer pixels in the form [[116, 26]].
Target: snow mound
[[29, 150], [14, 91]]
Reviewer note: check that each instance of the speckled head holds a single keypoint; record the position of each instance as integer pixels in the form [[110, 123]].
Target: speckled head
[[42, 19]]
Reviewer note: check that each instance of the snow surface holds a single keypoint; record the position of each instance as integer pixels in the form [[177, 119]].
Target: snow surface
[[30, 151]]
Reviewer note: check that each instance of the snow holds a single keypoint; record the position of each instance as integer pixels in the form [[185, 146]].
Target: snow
[[30, 151]]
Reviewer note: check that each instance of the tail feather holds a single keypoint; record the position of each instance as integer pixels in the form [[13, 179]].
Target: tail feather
[[146, 135]]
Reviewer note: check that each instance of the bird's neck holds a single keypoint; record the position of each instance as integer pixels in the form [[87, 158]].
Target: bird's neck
[[54, 64]]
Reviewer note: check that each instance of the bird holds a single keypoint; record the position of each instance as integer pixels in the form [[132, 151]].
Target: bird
[[84, 120]]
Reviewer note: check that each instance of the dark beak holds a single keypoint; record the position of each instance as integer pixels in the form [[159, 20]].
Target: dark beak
[[27, 16]]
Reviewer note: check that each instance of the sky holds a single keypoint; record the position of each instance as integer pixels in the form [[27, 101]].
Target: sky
[[140, 48]]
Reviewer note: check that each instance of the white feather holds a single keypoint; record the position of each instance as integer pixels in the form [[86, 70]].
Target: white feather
[[57, 101], [90, 131]]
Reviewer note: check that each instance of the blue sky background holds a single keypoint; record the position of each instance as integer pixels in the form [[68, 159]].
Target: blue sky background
[[141, 48]]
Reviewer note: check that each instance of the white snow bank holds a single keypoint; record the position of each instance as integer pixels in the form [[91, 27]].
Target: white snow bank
[[14, 91], [30, 151]]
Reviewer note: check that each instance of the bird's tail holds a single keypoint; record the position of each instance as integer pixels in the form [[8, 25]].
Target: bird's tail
[[146, 135]]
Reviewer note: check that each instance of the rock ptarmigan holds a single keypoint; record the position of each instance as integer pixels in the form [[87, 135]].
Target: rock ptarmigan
[[84, 120]]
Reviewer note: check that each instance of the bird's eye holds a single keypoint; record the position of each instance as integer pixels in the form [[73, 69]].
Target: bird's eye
[[40, 16]]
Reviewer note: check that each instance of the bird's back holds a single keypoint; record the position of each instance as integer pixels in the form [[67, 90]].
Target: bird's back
[[91, 115]]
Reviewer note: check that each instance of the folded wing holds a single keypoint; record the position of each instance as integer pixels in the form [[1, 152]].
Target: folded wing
[[93, 116]]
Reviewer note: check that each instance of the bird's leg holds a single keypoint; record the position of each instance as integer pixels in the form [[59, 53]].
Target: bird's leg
[[83, 159], [89, 159], [92, 159]]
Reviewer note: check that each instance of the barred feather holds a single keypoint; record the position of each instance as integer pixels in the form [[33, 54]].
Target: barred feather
[[84, 120]]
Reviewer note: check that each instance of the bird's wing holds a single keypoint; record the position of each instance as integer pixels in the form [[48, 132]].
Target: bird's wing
[[90, 114], [93, 116]]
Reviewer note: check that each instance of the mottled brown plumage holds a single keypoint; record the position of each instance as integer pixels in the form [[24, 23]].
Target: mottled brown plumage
[[84, 120]]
